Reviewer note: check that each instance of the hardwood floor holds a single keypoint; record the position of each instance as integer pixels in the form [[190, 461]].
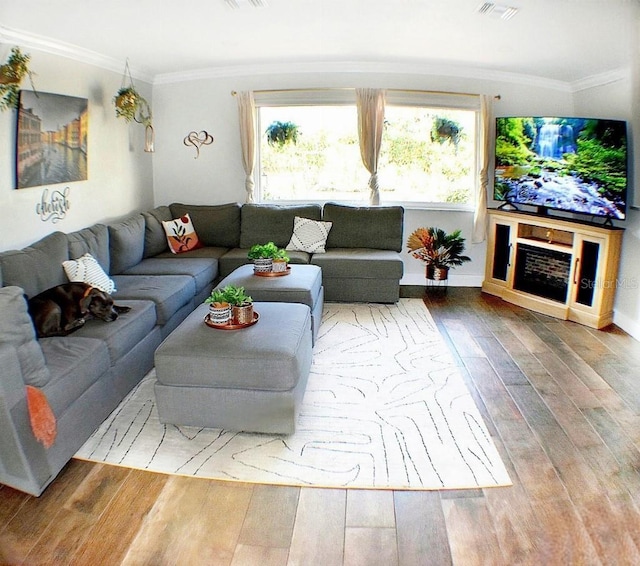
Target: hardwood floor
[[561, 401]]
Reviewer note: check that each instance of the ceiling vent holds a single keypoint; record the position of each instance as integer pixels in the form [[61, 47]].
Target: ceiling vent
[[499, 11], [237, 4]]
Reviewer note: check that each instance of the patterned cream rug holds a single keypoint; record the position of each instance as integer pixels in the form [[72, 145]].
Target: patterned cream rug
[[385, 407]]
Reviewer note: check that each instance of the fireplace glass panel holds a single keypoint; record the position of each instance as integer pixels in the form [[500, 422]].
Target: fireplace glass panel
[[542, 272]]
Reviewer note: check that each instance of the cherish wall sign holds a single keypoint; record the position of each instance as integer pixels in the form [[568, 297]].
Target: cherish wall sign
[[53, 205]]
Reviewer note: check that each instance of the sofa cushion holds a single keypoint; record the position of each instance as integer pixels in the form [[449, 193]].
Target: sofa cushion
[[216, 225], [93, 240], [124, 333], [203, 270], [86, 269], [359, 263], [37, 267], [155, 240], [210, 252], [75, 363], [378, 227], [170, 292], [16, 329], [126, 243], [262, 223]]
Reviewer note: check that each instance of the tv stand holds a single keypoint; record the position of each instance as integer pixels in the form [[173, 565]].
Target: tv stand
[[553, 266]]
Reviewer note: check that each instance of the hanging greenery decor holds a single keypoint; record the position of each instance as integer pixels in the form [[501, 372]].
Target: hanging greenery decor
[[445, 130], [281, 133], [133, 107], [11, 75]]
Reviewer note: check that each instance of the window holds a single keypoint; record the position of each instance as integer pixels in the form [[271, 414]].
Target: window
[[323, 164], [428, 154]]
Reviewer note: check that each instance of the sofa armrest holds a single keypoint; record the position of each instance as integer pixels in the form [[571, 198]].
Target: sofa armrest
[[23, 461]]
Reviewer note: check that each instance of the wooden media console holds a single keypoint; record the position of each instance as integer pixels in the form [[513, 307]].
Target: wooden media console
[[558, 267]]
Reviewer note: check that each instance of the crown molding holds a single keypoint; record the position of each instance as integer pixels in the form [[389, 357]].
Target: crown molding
[[389, 67], [55, 47], [600, 80], [29, 41]]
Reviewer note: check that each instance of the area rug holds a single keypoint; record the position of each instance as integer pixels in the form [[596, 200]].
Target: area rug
[[385, 407]]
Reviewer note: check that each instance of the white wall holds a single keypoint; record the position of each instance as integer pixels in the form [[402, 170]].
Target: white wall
[[620, 100], [217, 175], [120, 173]]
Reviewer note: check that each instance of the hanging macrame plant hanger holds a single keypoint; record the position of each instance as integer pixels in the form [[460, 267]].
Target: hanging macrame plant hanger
[[132, 106]]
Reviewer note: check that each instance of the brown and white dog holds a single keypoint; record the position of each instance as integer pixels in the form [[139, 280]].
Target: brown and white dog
[[62, 309]]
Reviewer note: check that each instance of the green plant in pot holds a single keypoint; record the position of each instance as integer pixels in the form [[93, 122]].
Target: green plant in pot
[[280, 133], [263, 256], [444, 130], [439, 250], [11, 75], [219, 307], [263, 251], [241, 304], [132, 106], [280, 261]]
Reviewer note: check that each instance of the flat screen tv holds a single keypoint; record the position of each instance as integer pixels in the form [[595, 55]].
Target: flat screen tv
[[576, 165]]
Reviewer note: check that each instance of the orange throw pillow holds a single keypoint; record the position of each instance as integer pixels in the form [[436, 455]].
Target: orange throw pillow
[[181, 235], [43, 421]]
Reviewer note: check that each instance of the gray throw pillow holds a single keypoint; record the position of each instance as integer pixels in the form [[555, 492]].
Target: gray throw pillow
[[16, 329]]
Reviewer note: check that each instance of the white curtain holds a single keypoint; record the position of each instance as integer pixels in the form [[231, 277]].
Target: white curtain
[[370, 103], [484, 144], [247, 114]]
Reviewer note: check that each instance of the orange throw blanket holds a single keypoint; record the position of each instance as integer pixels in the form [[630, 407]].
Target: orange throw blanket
[[43, 421]]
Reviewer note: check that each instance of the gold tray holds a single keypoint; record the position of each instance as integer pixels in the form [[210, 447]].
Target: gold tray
[[228, 326], [272, 273]]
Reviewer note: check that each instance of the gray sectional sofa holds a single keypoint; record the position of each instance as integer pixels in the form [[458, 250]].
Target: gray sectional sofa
[[85, 375]]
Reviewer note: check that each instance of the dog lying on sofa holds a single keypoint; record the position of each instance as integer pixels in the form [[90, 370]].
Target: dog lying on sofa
[[64, 308]]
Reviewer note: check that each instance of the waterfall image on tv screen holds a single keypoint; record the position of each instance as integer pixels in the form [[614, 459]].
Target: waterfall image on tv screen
[[572, 164]]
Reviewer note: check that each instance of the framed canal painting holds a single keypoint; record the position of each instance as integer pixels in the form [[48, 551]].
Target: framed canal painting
[[51, 139]]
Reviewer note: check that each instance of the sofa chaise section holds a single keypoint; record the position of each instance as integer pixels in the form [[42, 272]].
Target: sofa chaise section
[[362, 260]]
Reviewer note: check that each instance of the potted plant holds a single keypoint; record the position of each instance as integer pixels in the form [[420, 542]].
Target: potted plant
[[11, 75], [439, 250], [132, 106], [280, 261], [219, 307], [241, 303], [262, 256], [281, 133], [444, 130]]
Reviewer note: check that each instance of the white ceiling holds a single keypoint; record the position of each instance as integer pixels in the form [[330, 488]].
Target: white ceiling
[[558, 40]]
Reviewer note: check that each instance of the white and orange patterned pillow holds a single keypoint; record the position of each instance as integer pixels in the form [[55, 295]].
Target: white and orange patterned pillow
[[181, 235]]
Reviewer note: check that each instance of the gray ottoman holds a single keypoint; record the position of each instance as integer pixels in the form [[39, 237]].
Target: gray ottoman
[[251, 379], [302, 285]]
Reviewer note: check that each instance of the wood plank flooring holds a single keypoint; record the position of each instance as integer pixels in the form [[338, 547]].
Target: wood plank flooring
[[561, 401]]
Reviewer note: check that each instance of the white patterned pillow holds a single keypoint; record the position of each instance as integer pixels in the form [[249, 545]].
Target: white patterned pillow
[[86, 269], [309, 235]]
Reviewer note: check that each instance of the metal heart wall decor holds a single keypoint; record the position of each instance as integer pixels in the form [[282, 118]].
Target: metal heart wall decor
[[197, 140]]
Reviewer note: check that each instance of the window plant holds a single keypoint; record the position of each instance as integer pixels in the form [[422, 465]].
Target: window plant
[[439, 250], [281, 133], [444, 130]]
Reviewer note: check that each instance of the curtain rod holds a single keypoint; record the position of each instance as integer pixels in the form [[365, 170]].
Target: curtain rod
[[497, 96]]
